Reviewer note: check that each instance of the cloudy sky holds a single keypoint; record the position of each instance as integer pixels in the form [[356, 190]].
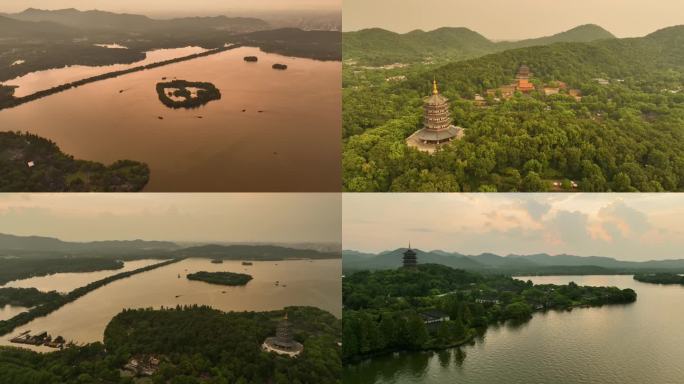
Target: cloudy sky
[[231, 217], [155, 7], [624, 226], [514, 19]]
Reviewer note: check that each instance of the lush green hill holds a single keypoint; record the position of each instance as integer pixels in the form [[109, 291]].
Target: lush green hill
[[377, 46], [624, 135], [31, 163], [581, 34]]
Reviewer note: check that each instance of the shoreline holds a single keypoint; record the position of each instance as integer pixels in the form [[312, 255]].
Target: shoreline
[[466, 340], [8, 326], [455, 344], [17, 101]]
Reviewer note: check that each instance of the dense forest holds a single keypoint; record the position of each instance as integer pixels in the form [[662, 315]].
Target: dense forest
[[195, 345], [25, 297], [660, 278], [221, 278], [623, 135], [384, 310], [31, 163]]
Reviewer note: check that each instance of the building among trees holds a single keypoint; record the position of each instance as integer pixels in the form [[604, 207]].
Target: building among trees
[[283, 343], [434, 317], [437, 124], [410, 258]]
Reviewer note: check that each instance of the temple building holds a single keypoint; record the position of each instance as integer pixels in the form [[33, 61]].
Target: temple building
[[437, 128], [523, 79], [410, 259], [283, 343]]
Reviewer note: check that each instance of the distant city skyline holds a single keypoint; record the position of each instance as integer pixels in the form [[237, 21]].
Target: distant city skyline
[[514, 20], [198, 217], [175, 7], [632, 227]]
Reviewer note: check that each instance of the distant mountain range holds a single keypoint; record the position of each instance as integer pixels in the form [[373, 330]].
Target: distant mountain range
[[129, 23], [33, 246], [510, 264], [46, 247], [379, 47]]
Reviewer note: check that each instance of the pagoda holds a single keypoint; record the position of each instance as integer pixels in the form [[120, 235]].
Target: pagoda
[[410, 259], [523, 79], [283, 343], [437, 124]]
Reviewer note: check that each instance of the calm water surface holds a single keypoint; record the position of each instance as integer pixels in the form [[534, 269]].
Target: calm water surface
[[631, 344], [8, 311], [293, 144], [67, 282], [311, 283], [46, 79]]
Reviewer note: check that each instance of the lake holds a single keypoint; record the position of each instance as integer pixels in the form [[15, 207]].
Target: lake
[[46, 79], [67, 282], [287, 138], [301, 282], [622, 344], [8, 311]]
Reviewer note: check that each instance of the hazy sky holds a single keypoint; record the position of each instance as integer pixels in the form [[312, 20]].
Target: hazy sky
[[625, 226], [230, 217], [154, 7], [514, 19]]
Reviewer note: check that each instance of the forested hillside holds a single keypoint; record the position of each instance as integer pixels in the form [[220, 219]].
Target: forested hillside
[[376, 46], [625, 134], [194, 345]]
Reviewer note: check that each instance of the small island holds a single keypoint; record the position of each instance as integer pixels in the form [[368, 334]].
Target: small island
[[251, 59], [221, 278], [660, 278], [281, 67], [186, 94]]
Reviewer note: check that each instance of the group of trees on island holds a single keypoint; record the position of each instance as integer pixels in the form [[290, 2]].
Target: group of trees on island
[[206, 92], [383, 309], [32, 163], [660, 278], [623, 136], [195, 345], [221, 278], [25, 297]]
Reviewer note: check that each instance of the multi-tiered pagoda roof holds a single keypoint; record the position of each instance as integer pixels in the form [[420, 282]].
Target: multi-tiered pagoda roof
[[410, 258], [283, 343], [437, 124]]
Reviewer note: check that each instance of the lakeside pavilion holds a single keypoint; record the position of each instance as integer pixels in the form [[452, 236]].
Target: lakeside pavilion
[[410, 258], [283, 343], [437, 124]]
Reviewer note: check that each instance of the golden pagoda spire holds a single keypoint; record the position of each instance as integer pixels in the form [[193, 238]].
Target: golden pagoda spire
[[434, 86]]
